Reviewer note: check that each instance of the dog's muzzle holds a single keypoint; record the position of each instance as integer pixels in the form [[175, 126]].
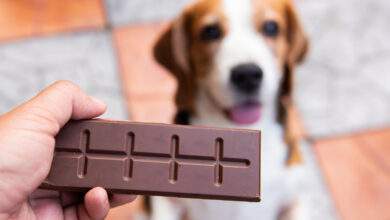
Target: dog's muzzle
[[246, 79]]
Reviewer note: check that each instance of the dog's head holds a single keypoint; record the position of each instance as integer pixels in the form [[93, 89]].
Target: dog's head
[[241, 53]]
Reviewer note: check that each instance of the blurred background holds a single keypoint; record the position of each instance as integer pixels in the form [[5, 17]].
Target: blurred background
[[343, 88]]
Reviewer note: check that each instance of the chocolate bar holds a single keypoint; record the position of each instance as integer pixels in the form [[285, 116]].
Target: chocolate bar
[[157, 159]]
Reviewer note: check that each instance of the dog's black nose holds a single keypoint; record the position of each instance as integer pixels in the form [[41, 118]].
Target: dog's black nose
[[246, 77]]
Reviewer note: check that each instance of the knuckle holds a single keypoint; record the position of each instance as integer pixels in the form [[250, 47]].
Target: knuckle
[[67, 89], [66, 85]]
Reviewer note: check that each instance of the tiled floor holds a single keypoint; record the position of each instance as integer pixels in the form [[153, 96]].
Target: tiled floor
[[86, 58], [127, 212], [148, 87], [26, 18], [122, 12], [357, 169], [116, 65]]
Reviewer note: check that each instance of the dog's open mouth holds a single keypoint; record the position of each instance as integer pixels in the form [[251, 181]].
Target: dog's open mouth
[[245, 113]]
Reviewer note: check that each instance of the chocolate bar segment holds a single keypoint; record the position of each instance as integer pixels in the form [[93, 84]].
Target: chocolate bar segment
[[157, 159]]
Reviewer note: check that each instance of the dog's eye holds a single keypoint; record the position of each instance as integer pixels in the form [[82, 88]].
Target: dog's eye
[[270, 28], [211, 32]]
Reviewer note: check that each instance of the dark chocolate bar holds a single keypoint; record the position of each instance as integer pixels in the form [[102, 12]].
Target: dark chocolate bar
[[157, 159]]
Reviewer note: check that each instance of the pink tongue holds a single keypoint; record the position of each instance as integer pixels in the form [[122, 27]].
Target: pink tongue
[[245, 113]]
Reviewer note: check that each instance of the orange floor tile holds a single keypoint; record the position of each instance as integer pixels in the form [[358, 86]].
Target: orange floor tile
[[25, 18], [357, 170], [129, 211], [148, 88]]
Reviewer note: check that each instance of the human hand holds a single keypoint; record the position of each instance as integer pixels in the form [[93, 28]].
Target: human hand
[[26, 152]]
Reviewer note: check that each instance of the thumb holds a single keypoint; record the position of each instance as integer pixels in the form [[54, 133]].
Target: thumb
[[27, 137], [57, 104]]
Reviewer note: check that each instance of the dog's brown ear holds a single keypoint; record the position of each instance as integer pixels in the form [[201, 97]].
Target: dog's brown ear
[[297, 50], [297, 41], [172, 51], [298, 45]]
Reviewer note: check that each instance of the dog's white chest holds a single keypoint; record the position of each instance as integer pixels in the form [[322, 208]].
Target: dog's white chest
[[274, 189]]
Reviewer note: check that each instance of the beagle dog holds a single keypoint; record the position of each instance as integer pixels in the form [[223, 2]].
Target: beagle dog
[[234, 62]]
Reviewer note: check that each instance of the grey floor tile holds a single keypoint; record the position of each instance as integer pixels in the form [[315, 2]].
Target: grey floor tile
[[344, 86], [86, 59], [123, 12]]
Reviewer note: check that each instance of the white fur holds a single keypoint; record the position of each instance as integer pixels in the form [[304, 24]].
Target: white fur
[[165, 209], [277, 181]]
